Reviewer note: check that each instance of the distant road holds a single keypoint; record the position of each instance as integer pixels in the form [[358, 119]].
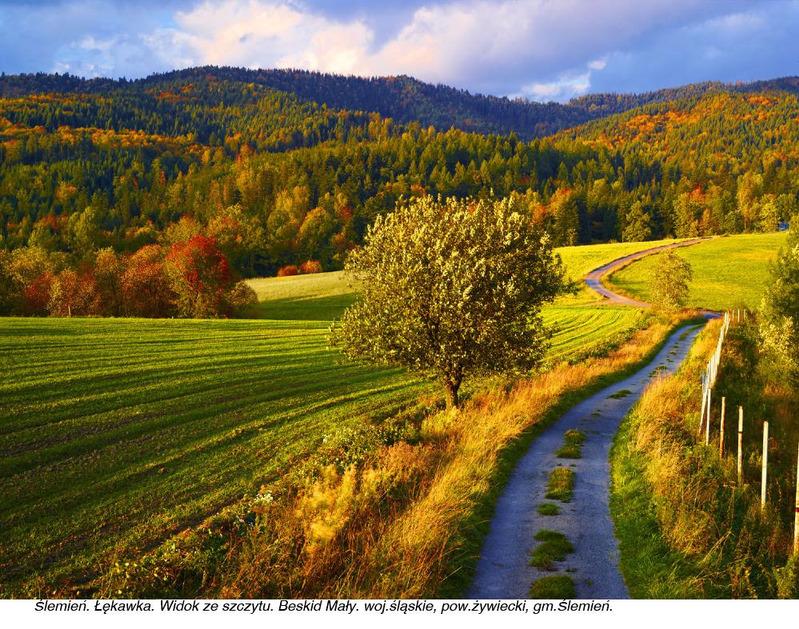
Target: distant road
[[594, 278]]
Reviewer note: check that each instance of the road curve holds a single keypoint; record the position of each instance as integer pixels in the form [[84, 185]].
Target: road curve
[[594, 278], [503, 570]]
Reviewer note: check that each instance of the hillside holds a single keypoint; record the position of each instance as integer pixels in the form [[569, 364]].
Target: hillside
[[718, 267], [274, 180], [402, 98], [238, 404]]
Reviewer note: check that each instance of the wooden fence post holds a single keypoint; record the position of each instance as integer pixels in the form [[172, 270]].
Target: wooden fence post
[[702, 407], [740, 445], [796, 510], [721, 426], [707, 420], [764, 471]]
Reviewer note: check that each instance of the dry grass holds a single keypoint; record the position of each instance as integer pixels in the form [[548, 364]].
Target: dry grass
[[730, 546], [406, 522]]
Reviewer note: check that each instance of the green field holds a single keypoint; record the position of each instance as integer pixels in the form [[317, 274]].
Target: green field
[[119, 432], [729, 272], [581, 260], [116, 433]]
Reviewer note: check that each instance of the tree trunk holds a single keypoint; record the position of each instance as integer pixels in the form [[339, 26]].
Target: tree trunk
[[452, 386]]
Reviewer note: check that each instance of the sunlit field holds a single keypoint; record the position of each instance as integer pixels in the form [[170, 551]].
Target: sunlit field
[[119, 432], [729, 272]]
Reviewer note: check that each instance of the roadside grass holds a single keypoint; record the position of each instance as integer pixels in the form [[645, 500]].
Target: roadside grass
[[685, 527], [729, 272], [554, 547], [554, 587], [560, 485], [620, 394], [651, 568]]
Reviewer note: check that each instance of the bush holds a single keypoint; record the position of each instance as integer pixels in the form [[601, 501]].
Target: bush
[[311, 266], [288, 270], [242, 296]]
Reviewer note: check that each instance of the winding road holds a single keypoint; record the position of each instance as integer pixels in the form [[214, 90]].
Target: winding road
[[503, 570], [594, 278]]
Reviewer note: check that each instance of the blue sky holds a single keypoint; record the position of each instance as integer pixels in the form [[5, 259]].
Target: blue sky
[[538, 49]]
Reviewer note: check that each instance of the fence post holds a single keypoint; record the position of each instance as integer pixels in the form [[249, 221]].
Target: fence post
[[796, 510], [764, 471], [721, 426], [740, 445], [702, 408], [707, 419]]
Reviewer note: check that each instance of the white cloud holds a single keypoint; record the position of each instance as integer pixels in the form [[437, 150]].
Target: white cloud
[[254, 33], [539, 48], [563, 88], [481, 45]]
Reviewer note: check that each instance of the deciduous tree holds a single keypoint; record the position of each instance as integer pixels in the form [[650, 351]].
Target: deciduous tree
[[452, 289], [670, 281], [200, 277]]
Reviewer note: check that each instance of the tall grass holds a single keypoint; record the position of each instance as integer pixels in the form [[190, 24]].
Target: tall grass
[[404, 518], [686, 528]]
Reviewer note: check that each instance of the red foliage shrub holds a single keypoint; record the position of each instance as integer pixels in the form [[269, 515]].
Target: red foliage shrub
[[289, 269], [311, 266], [200, 275], [36, 295]]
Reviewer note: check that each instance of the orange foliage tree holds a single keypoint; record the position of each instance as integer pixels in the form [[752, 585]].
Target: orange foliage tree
[[146, 290], [200, 277]]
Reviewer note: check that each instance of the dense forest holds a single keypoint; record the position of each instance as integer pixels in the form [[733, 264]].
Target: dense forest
[[204, 176]]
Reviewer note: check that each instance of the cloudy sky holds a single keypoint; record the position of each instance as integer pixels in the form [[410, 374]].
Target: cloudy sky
[[539, 49]]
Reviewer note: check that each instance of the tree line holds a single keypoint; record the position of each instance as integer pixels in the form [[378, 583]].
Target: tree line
[[276, 182]]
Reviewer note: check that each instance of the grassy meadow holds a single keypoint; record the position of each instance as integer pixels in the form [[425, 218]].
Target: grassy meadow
[[729, 272], [117, 433]]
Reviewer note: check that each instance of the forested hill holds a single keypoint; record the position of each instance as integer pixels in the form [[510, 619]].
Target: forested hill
[[401, 98], [269, 180]]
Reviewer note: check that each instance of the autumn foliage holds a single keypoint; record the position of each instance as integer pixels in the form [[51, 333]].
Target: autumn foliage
[[288, 270], [191, 278], [200, 277]]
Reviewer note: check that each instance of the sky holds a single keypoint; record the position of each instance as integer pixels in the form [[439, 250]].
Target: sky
[[537, 49]]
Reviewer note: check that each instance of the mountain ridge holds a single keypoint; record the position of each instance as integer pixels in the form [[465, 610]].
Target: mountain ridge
[[403, 98]]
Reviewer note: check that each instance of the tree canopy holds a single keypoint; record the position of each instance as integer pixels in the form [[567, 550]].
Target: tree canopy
[[452, 288], [671, 279], [780, 307]]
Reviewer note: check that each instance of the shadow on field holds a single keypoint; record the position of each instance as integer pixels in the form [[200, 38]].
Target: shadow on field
[[303, 309]]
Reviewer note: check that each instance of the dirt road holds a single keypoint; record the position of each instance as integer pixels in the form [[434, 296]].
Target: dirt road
[[594, 278]]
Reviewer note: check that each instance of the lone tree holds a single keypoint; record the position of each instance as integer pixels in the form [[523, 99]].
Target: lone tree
[[670, 281], [451, 289]]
